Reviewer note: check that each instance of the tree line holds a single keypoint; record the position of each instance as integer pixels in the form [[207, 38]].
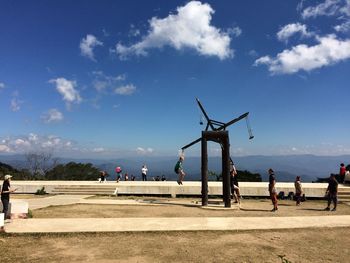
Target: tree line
[[43, 166]]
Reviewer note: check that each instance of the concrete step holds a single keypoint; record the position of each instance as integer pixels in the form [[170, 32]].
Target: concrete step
[[81, 191], [343, 193], [85, 189], [84, 193]]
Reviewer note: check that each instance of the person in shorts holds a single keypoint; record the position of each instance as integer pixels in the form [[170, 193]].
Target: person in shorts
[[179, 170], [234, 184], [332, 193], [298, 190], [272, 189]]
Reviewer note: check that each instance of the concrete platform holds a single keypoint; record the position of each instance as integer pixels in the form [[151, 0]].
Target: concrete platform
[[171, 188], [66, 225]]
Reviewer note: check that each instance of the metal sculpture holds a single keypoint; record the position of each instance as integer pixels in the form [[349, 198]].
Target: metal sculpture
[[217, 134]]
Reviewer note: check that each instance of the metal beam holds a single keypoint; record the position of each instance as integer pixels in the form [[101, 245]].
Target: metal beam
[[219, 129], [205, 114]]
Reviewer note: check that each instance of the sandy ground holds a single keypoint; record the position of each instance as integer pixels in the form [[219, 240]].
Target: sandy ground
[[302, 245], [188, 208], [297, 245]]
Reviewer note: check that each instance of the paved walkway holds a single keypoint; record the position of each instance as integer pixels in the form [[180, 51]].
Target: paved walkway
[[60, 225]]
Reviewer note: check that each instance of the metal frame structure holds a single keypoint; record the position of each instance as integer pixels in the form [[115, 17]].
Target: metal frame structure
[[219, 135]]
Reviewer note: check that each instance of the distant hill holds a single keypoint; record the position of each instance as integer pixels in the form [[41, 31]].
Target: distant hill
[[286, 167]]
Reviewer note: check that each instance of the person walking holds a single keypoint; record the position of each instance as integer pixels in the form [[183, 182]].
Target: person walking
[[118, 171], [5, 194], [144, 171], [298, 190], [179, 170], [272, 189], [332, 193], [234, 184]]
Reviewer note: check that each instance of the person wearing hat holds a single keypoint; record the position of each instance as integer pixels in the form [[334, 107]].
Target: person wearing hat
[[5, 194]]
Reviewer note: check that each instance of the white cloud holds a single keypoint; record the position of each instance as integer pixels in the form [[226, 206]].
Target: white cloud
[[52, 115], [22, 143], [125, 90], [134, 32], [67, 89], [253, 53], [2, 85], [87, 46], [33, 137], [189, 28], [98, 150], [330, 50], [103, 81], [327, 8], [289, 30], [345, 9], [234, 31], [344, 27], [5, 149], [144, 151], [15, 104]]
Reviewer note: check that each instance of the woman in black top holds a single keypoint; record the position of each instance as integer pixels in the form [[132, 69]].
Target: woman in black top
[[5, 194]]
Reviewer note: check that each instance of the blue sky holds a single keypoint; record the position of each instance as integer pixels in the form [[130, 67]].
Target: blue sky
[[119, 78]]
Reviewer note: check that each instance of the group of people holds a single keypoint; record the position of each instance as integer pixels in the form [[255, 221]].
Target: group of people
[[120, 176], [331, 192]]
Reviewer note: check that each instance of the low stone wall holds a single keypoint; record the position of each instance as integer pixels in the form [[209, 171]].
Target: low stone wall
[[190, 188]]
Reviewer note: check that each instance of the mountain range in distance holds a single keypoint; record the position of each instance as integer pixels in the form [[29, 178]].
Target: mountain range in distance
[[286, 167]]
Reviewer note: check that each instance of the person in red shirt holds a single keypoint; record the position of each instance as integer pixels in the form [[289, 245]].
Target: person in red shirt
[[342, 172]]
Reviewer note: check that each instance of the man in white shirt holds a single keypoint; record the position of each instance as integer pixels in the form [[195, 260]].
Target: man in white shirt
[[144, 171]]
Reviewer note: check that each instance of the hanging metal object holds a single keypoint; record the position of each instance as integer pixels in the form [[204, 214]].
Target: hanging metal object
[[201, 120], [250, 132]]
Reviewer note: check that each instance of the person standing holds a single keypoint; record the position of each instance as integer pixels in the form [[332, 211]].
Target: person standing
[[118, 171], [103, 175], [179, 170], [298, 190], [126, 177], [144, 171], [5, 194], [342, 172], [234, 184], [332, 193], [272, 190]]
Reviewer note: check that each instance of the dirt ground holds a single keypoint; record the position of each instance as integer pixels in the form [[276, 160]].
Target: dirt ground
[[294, 245], [188, 208], [302, 245]]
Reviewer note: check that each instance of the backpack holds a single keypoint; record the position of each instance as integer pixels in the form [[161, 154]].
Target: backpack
[[177, 166]]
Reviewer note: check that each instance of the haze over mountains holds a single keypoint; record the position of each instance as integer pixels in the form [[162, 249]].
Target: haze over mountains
[[287, 167]]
